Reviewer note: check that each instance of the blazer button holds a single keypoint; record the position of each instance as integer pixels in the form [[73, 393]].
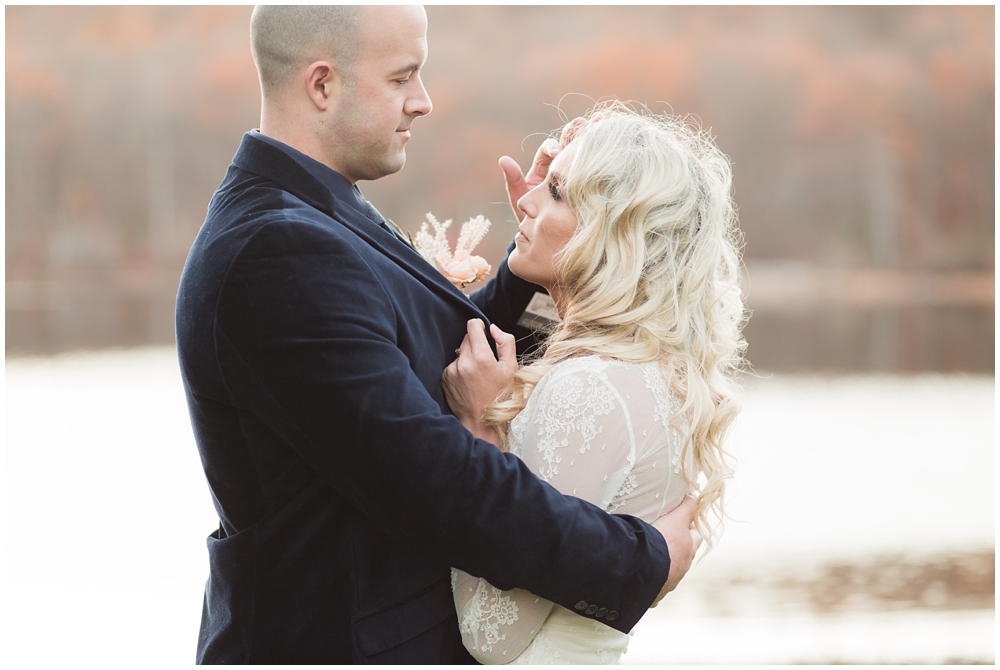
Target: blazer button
[[591, 609], [582, 605], [601, 612], [612, 615]]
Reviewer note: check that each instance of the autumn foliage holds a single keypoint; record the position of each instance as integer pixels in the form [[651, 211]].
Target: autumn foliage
[[860, 136]]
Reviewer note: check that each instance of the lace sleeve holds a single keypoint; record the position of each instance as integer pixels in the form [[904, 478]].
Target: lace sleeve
[[581, 437], [496, 625], [578, 436]]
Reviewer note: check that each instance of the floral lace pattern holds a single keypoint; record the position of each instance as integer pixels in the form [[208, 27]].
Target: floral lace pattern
[[664, 411], [599, 430], [570, 405], [519, 424], [542, 651], [487, 611], [630, 485], [568, 639]]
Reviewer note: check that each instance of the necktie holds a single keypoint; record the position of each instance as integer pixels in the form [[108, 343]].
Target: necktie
[[384, 223]]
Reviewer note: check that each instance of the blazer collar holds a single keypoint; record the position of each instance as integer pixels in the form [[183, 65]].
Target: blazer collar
[[301, 175], [331, 193]]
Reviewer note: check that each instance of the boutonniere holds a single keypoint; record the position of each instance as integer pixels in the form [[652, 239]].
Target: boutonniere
[[459, 267]]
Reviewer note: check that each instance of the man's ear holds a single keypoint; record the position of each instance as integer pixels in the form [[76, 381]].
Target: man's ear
[[322, 83]]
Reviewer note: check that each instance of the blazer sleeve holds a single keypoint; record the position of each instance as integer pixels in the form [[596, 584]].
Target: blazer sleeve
[[307, 340]]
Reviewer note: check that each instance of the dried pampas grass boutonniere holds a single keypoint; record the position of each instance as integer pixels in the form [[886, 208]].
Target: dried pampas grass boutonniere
[[460, 267]]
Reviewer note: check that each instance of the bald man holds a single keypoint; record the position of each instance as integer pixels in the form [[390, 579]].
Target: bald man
[[312, 339]]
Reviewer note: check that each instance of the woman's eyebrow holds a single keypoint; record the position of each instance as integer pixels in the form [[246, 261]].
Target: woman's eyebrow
[[556, 177]]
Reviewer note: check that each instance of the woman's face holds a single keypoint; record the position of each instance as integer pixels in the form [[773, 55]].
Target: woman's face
[[547, 226]]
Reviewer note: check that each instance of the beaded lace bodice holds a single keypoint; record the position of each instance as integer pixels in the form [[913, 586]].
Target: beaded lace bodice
[[598, 430]]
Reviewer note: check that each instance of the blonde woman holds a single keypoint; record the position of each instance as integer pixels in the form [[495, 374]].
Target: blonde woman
[[633, 233]]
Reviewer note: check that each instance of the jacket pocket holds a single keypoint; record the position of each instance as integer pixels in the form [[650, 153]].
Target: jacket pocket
[[402, 622], [227, 616]]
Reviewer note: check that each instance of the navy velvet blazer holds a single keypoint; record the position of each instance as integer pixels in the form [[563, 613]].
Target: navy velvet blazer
[[311, 344]]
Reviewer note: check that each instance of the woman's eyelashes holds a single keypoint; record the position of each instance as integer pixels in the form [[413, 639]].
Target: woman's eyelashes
[[554, 192]]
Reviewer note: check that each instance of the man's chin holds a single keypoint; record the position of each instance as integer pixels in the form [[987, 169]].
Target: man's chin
[[395, 163], [389, 167]]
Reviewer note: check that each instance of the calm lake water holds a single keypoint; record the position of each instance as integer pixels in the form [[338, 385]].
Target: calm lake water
[[862, 529], [840, 337]]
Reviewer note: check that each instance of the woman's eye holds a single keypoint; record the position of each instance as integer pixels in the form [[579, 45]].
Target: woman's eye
[[554, 192]]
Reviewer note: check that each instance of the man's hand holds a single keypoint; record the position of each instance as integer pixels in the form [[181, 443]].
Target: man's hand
[[682, 542]]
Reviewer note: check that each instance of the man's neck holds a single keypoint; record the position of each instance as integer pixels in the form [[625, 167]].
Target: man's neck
[[294, 135]]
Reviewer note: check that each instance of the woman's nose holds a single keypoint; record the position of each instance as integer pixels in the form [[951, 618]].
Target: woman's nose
[[526, 205]]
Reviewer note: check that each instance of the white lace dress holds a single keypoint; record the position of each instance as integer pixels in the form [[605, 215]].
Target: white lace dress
[[598, 430]]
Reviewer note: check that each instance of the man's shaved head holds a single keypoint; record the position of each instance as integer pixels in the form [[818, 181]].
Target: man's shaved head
[[342, 84], [285, 38]]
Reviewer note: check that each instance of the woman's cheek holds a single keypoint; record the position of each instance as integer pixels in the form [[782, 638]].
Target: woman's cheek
[[519, 264]]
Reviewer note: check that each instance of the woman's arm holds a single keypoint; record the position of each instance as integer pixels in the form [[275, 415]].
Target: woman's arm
[[496, 625], [579, 438]]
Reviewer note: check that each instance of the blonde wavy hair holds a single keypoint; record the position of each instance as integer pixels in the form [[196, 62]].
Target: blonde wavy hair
[[652, 274]]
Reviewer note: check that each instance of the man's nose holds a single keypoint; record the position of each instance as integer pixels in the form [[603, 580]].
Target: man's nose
[[420, 104]]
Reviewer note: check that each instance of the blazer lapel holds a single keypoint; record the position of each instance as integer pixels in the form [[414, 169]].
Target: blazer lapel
[[261, 158], [406, 257]]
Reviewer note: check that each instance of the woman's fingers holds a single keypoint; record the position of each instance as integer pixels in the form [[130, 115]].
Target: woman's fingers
[[514, 182], [570, 129], [465, 348], [519, 184], [506, 348], [513, 178], [475, 379], [476, 337], [476, 355], [546, 153], [480, 346]]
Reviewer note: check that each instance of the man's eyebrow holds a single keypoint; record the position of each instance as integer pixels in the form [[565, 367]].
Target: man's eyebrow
[[407, 69]]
